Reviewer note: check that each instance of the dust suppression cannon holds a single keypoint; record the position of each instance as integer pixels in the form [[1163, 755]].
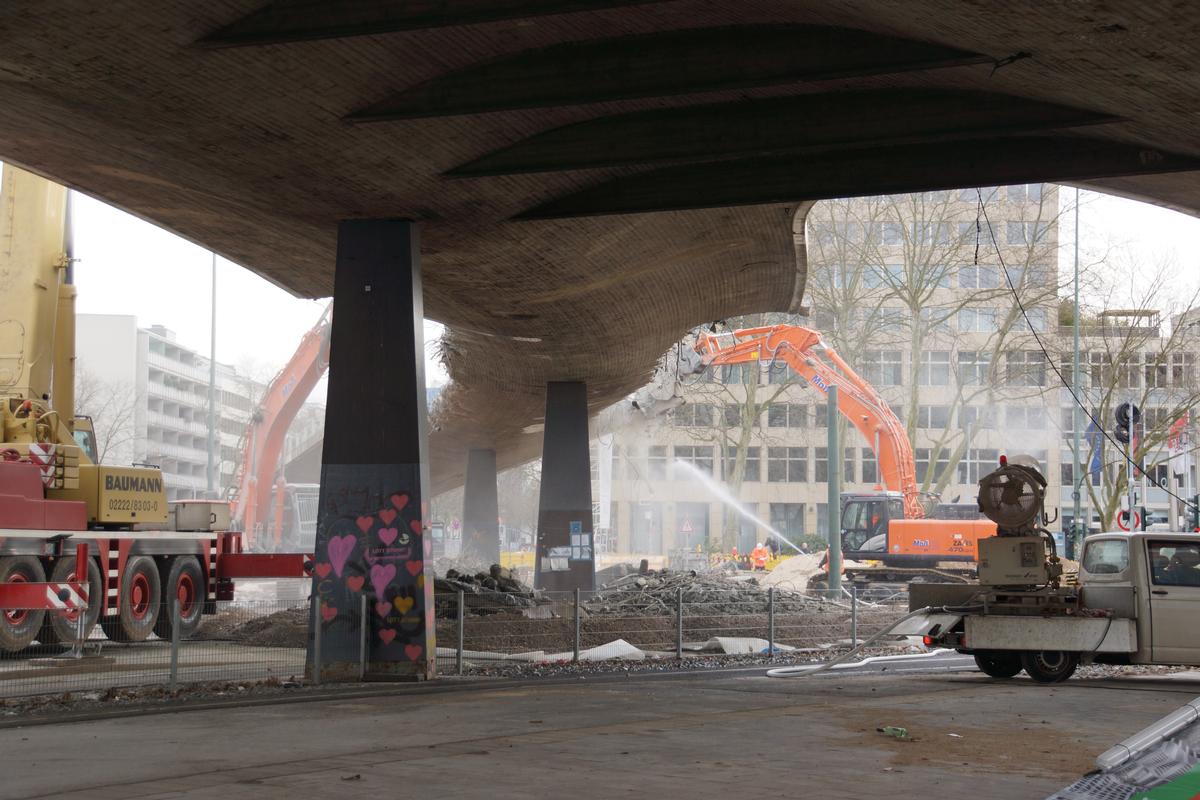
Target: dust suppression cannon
[[1014, 497]]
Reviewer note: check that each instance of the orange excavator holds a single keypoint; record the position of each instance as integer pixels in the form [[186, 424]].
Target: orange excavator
[[260, 500], [910, 535]]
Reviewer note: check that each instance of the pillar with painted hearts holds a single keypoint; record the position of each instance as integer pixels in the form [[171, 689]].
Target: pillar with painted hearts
[[372, 537]]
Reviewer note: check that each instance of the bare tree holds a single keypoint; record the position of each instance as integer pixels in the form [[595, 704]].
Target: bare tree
[[113, 406]]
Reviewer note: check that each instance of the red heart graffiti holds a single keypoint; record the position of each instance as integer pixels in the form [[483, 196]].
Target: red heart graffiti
[[323, 570], [355, 582], [328, 613], [387, 515], [383, 609], [387, 634], [413, 651], [414, 567], [416, 526], [388, 535], [364, 523], [399, 501]]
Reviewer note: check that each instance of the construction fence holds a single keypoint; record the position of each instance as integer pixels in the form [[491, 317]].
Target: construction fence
[[254, 641]]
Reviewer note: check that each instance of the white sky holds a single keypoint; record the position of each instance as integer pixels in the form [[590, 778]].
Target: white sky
[[129, 266]]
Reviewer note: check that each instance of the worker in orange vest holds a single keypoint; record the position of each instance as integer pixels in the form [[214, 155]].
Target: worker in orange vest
[[759, 556]]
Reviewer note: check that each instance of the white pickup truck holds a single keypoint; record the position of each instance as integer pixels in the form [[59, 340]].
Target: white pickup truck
[[1137, 602]]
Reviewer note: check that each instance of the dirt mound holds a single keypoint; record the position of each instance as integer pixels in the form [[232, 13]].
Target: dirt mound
[[287, 628]]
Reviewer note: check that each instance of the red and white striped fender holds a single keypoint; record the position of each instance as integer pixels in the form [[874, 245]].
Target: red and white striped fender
[[43, 596]]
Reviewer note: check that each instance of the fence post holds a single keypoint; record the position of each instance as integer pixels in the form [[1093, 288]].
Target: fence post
[[316, 616], [575, 658], [462, 616], [853, 615], [362, 639], [771, 622], [173, 610], [679, 623]]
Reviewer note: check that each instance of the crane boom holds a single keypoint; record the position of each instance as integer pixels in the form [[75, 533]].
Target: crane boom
[[806, 353], [268, 427]]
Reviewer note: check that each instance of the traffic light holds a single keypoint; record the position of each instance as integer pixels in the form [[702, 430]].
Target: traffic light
[[1144, 516], [1124, 412]]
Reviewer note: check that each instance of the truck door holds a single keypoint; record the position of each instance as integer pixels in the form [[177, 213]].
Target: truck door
[[1174, 601]]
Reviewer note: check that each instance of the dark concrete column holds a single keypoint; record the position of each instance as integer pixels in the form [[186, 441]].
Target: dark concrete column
[[565, 550], [481, 511], [371, 541]]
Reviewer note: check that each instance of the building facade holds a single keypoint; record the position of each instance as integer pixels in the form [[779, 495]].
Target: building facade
[[948, 303], [148, 395]]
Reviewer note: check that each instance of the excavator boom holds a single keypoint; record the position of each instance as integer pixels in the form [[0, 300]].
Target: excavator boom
[[804, 351]]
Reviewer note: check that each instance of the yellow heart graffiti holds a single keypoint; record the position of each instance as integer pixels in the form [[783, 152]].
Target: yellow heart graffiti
[[403, 604]]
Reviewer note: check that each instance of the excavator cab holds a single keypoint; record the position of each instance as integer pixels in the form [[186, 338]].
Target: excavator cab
[[865, 519]]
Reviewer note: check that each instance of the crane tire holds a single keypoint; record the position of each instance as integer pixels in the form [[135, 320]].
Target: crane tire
[[60, 627], [138, 602], [19, 627], [185, 583]]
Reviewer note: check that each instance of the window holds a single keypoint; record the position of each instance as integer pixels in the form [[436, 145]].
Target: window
[[1099, 366], [923, 455], [848, 465], [656, 462], [699, 456], [732, 416], [1025, 417], [821, 464], [936, 319], [973, 366], [978, 277], [1174, 563], [1025, 368], [779, 374], [977, 463], [752, 472], [1033, 318], [1034, 191], [989, 193], [978, 417], [882, 367], [694, 415], [747, 374], [1018, 193], [933, 417], [1109, 556], [787, 415], [788, 519], [881, 275], [1156, 371], [935, 368], [1183, 369], [1159, 475], [787, 464], [870, 467], [977, 320], [893, 233], [1026, 232]]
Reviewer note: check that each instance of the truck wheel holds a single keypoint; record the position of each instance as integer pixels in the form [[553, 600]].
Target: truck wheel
[[61, 627], [137, 604], [1049, 666], [185, 584], [998, 663], [19, 627]]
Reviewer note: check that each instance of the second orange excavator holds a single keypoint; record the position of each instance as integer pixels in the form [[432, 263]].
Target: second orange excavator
[[911, 536]]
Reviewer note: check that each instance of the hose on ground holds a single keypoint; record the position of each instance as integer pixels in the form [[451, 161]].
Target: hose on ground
[[804, 671]]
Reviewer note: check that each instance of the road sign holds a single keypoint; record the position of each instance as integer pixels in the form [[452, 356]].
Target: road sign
[[686, 527], [1123, 520]]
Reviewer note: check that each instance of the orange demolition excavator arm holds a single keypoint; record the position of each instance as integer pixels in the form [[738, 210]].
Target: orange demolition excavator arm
[[803, 350], [268, 428]]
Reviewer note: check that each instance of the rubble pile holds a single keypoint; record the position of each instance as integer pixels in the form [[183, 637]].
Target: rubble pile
[[703, 592], [483, 592]]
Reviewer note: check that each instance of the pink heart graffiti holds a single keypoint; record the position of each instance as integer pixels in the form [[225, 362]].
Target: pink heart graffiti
[[383, 609], [414, 567], [387, 515], [340, 548], [416, 526], [387, 634], [388, 535], [364, 523], [381, 576], [399, 501], [413, 651]]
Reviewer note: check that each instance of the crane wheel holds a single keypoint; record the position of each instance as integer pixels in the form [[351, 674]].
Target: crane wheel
[[185, 583], [62, 627], [19, 627], [998, 663], [1049, 666], [138, 602]]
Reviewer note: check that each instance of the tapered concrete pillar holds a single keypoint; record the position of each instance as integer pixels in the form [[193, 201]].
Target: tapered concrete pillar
[[371, 543], [565, 550], [481, 511]]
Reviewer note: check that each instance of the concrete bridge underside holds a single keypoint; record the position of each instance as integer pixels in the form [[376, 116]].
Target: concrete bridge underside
[[591, 177]]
